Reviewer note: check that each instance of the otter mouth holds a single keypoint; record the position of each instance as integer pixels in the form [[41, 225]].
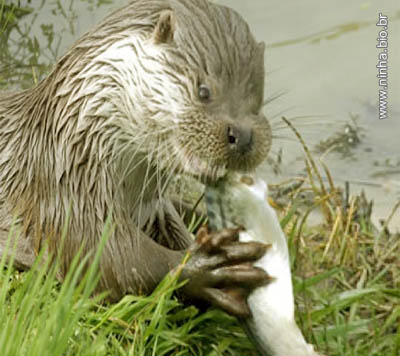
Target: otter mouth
[[201, 169]]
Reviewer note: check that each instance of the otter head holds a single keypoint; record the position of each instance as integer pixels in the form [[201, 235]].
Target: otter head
[[185, 81], [206, 89]]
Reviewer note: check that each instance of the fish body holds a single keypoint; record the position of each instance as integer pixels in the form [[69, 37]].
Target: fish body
[[239, 200]]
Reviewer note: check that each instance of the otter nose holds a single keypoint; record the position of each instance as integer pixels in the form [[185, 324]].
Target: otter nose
[[240, 138]]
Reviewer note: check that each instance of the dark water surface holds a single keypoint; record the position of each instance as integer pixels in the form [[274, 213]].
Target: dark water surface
[[322, 56]]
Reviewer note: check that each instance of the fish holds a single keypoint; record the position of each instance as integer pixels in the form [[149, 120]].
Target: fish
[[242, 200]]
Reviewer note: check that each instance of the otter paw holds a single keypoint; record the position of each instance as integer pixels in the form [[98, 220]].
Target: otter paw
[[220, 270]]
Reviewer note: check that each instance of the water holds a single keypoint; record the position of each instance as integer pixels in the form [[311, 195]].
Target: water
[[323, 57]]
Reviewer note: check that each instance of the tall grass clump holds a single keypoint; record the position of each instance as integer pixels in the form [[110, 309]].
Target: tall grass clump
[[346, 271], [38, 315]]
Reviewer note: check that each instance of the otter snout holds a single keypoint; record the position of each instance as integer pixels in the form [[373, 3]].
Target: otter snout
[[247, 143], [240, 138]]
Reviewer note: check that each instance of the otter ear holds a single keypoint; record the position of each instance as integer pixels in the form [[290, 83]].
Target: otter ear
[[261, 47], [165, 28]]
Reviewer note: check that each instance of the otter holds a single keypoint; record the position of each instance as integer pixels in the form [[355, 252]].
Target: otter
[[160, 88]]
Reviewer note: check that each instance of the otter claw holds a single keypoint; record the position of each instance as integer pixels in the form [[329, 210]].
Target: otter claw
[[232, 301], [213, 242], [244, 275], [220, 270], [226, 236], [249, 251]]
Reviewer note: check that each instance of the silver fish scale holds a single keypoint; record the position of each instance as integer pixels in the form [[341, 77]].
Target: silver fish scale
[[220, 212]]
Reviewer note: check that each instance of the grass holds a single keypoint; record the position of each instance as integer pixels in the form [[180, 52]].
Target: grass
[[346, 275], [346, 278], [40, 316]]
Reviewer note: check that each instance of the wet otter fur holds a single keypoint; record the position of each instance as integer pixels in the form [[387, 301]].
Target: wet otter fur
[[159, 88]]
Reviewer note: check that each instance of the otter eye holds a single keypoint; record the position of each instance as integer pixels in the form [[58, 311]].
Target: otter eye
[[204, 92]]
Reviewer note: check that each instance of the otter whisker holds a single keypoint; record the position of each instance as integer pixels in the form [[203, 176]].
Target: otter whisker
[[280, 113], [311, 120], [167, 172], [129, 168], [274, 97], [284, 138], [162, 172], [174, 164], [298, 117]]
